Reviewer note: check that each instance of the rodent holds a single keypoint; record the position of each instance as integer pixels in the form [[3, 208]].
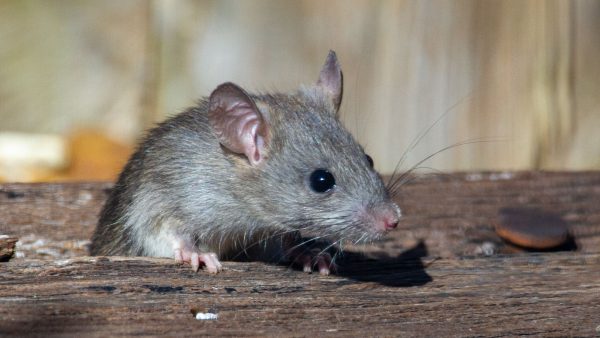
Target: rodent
[[240, 169]]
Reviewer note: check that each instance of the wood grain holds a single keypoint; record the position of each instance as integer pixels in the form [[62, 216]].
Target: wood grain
[[453, 215], [443, 272], [535, 294], [51, 219]]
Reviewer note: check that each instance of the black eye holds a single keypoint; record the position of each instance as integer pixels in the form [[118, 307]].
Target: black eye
[[370, 160], [321, 181]]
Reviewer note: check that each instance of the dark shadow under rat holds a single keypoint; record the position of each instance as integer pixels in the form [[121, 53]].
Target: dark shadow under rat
[[404, 270]]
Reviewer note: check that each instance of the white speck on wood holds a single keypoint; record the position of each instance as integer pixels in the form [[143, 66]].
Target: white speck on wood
[[206, 316]]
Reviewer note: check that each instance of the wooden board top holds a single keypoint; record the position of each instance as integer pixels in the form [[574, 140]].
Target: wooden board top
[[443, 272], [554, 294]]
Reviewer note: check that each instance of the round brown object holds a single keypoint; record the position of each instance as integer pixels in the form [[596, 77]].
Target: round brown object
[[532, 228]]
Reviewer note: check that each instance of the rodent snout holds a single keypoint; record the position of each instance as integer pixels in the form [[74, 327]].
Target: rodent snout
[[389, 225], [385, 217], [387, 222]]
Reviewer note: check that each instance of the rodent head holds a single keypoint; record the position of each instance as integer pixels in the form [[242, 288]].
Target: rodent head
[[300, 168]]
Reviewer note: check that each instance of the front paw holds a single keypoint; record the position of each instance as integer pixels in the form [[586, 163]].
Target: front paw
[[195, 258], [312, 258]]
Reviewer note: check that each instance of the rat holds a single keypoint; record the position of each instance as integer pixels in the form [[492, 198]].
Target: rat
[[241, 170]]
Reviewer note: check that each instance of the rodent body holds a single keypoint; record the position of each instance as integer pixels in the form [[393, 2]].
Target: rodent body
[[241, 169]]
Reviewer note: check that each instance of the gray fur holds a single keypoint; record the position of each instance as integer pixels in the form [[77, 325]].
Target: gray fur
[[182, 181]]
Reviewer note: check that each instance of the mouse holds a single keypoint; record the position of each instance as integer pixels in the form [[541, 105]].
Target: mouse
[[248, 173]]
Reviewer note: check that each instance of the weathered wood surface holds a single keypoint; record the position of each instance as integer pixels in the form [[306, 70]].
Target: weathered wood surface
[[556, 294], [443, 272], [452, 214], [52, 220]]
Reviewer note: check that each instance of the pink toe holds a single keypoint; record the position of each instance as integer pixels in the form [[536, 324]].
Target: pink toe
[[195, 261], [210, 263], [307, 263], [323, 266]]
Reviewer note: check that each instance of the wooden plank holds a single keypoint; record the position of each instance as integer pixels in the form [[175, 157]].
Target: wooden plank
[[51, 220], [555, 294], [401, 286], [452, 215]]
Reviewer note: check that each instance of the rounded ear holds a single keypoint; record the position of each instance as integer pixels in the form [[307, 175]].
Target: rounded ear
[[237, 122], [331, 79]]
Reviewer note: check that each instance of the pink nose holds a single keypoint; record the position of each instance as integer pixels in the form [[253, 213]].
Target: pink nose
[[389, 225]]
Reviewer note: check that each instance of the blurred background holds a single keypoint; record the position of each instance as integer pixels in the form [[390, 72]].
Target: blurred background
[[512, 84]]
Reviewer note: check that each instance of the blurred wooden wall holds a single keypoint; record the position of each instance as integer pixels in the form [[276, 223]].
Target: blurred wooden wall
[[521, 79]]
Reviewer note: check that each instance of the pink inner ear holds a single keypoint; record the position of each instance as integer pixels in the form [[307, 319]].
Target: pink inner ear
[[237, 122], [250, 140]]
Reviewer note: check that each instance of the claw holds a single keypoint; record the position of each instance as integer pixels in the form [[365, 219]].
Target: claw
[[306, 257], [323, 264], [196, 259], [307, 264], [211, 262]]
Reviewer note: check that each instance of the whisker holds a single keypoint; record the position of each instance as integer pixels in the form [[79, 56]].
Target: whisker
[[424, 133], [394, 184]]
